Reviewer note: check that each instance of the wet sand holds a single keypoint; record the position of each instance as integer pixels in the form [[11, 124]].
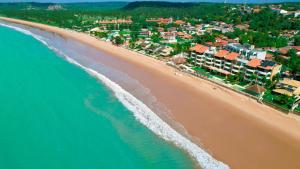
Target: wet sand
[[233, 128]]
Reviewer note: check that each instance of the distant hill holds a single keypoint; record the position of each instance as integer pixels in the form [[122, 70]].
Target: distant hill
[[169, 9], [85, 6], [158, 4]]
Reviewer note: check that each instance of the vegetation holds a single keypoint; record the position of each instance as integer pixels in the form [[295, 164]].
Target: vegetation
[[259, 39]]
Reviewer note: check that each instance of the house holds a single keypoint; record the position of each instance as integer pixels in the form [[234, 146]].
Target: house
[[219, 43], [256, 10], [187, 36], [168, 37], [283, 51], [165, 51], [297, 48], [279, 11], [179, 22], [297, 14], [287, 87], [153, 48], [242, 26], [145, 32]]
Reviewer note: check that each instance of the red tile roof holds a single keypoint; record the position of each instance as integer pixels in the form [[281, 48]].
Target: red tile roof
[[179, 22], [283, 51], [254, 63], [180, 34], [187, 36], [209, 43], [269, 55], [221, 41], [232, 56], [297, 48], [221, 53], [199, 48]]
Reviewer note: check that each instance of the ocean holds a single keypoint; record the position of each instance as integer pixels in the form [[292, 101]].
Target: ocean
[[53, 114], [66, 105]]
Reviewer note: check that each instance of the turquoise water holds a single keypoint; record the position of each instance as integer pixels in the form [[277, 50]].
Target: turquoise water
[[54, 115]]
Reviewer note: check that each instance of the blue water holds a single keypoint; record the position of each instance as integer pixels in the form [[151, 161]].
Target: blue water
[[55, 115]]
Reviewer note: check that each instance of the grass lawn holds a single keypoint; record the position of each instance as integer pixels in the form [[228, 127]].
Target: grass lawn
[[270, 98], [202, 72]]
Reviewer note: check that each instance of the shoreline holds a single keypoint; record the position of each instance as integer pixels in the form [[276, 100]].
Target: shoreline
[[245, 113]]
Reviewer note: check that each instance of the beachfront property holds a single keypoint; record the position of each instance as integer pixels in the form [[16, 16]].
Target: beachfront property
[[249, 63], [287, 87], [165, 51], [261, 71]]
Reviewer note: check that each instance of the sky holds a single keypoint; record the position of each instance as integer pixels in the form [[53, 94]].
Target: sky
[[229, 1]]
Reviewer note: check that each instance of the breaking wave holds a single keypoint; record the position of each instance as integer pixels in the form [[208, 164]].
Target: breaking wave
[[142, 113]]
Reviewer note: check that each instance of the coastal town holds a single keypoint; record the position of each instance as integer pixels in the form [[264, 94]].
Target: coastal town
[[253, 49], [268, 73]]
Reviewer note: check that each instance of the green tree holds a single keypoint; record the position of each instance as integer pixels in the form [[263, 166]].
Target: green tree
[[297, 40], [155, 38], [118, 40], [294, 64]]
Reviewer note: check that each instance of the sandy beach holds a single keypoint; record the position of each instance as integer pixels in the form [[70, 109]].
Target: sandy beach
[[232, 127]]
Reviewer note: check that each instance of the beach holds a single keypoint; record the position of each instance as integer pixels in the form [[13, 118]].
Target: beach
[[233, 128]]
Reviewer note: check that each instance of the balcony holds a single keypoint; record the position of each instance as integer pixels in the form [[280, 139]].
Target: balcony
[[227, 67], [208, 63], [247, 79], [260, 77], [249, 74], [199, 59], [218, 60], [250, 70], [198, 64], [264, 73], [228, 63], [236, 70], [217, 64]]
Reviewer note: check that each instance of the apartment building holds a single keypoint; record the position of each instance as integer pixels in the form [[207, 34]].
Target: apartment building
[[232, 63], [197, 54], [261, 70], [246, 51]]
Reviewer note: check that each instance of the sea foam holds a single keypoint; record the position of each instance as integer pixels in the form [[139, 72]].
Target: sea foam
[[142, 113]]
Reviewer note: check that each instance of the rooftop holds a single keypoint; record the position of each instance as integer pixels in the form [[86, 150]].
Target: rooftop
[[254, 63], [221, 53], [290, 82], [199, 48], [232, 56], [267, 64]]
